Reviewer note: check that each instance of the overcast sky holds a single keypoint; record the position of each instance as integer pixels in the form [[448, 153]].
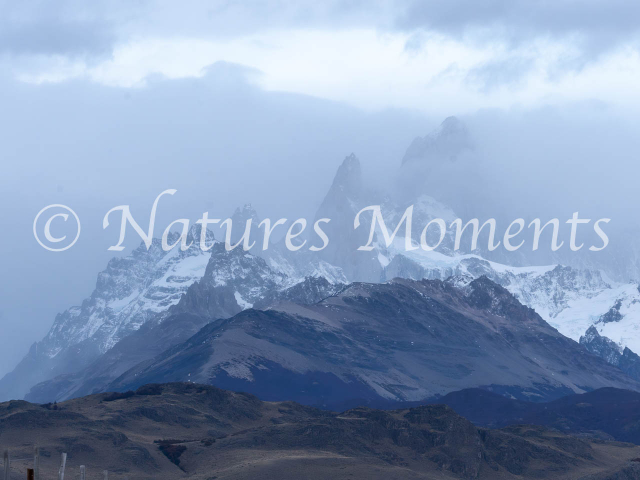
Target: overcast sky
[[111, 102]]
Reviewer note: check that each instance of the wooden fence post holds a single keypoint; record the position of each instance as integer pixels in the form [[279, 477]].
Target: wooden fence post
[[29, 473], [63, 463], [36, 463], [7, 465], [82, 477]]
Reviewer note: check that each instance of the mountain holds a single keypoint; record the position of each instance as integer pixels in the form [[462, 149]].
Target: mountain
[[380, 344], [186, 430], [233, 281], [623, 358], [615, 313], [445, 165], [445, 143], [570, 299], [606, 413], [345, 198], [153, 300], [130, 292]]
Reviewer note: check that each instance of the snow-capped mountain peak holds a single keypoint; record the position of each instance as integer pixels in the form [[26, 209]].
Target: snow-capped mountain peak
[[131, 291]]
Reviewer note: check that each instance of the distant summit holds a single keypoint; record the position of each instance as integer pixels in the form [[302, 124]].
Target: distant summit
[[348, 178], [446, 142], [245, 213]]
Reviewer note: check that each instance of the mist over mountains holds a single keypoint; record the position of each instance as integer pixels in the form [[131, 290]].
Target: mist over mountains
[[174, 316], [380, 240], [549, 147]]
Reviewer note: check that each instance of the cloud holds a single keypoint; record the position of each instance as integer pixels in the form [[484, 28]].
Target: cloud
[[508, 72], [75, 27], [56, 38], [595, 26], [325, 48], [54, 28], [72, 27]]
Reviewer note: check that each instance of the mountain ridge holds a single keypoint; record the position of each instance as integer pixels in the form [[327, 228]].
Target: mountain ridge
[[400, 341]]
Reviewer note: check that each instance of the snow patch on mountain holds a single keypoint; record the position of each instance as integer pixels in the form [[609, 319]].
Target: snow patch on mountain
[[241, 301], [128, 293]]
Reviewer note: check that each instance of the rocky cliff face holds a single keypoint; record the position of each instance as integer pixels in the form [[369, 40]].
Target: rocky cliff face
[[623, 358]]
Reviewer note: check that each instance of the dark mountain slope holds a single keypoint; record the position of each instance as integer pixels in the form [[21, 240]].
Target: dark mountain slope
[[606, 412]]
